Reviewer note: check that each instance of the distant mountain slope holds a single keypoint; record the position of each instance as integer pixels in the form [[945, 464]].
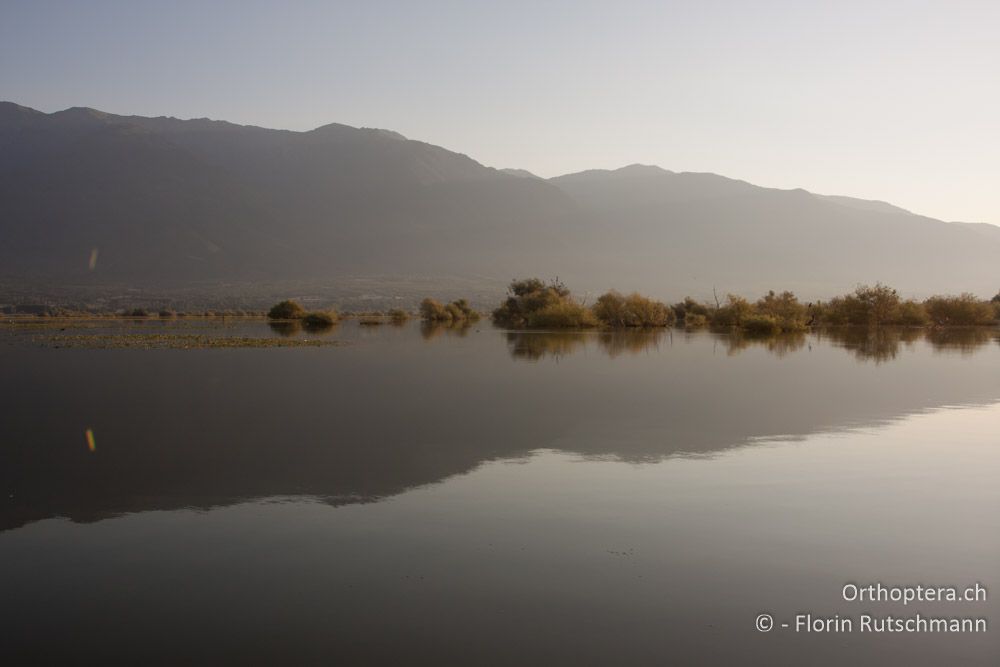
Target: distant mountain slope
[[168, 202], [705, 230]]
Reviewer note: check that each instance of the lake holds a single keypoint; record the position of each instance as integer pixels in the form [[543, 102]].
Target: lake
[[474, 496]]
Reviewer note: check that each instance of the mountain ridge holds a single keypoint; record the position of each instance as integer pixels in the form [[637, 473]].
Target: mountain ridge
[[168, 202]]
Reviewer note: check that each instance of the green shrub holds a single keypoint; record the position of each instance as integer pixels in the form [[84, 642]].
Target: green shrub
[[614, 310], [964, 309], [285, 310]]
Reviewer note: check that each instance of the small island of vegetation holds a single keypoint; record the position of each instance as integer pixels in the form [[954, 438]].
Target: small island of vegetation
[[292, 310], [456, 312]]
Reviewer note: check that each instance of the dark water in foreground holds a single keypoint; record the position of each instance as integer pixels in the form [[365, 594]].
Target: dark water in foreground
[[480, 497]]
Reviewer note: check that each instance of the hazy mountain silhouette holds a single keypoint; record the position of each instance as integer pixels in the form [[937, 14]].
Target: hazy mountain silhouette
[[168, 202]]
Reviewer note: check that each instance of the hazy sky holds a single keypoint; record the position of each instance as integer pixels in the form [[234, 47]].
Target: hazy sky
[[881, 99]]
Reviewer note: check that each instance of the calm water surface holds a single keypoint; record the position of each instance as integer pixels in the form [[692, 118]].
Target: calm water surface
[[438, 496]]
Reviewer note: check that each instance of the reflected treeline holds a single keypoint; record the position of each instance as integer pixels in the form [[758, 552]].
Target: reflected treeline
[[867, 344], [885, 343], [632, 341], [430, 330], [535, 345], [962, 339], [408, 416], [879, 345], [287, 329], [778, 344], [291, 328]]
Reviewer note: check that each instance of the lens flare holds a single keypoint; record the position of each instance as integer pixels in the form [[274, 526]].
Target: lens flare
[[91, 445], [93, 259]]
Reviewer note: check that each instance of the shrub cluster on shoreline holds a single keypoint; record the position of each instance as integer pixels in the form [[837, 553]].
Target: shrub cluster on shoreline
[[454, 312], [534, 304], [882, 305], [293, 310]]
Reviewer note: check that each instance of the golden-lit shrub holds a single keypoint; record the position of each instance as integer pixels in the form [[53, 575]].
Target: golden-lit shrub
[[965, 309], [733, 312], [694, 320], [615, 310], [911, 314], [286, 310], [760, 324], [398, 316], [456, 311], [533, 304], [433, 311], [688, 307], [565, 314], [784, 309], [870, 306]]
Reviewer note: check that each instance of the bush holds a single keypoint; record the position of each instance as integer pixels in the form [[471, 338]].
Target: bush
[[733, 313], [634, 310], [785, 309], [911, 314], [166, 314], [965, 309], [137, 312], [762, 325], [881, 303], [318, 319], [286, 310], [690, 307], [695, 320], [871, 306], [433, 311], [456, 311], [531, 303], [398, 316], [562, 315]]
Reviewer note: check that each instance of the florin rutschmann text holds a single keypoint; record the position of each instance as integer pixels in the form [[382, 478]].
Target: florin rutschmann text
[[877, 593]]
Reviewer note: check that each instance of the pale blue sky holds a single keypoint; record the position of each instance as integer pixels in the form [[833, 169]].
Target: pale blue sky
[[895, 100]]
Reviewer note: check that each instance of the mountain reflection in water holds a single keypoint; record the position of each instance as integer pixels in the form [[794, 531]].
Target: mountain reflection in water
[[407, 406]]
